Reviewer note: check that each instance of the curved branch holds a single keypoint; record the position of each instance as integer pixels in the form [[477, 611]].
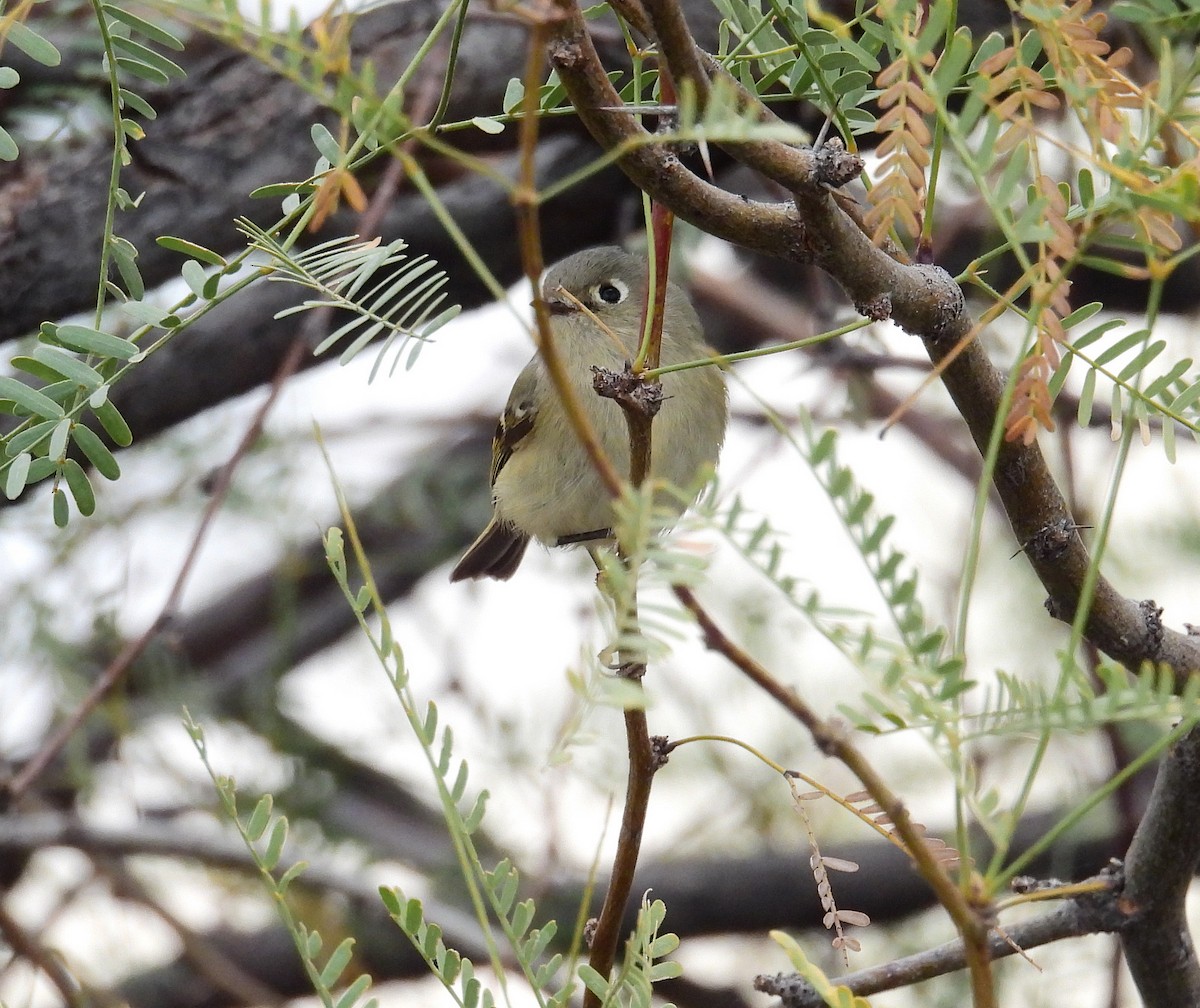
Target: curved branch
[[1159, 868], [924, 301], [1094, 913], [763, 226], [832, 739]]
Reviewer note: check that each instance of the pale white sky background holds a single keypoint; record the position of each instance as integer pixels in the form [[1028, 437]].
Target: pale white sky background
[[511, 643]]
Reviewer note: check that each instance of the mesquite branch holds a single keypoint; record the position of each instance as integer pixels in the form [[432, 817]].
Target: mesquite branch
[[922, 299]]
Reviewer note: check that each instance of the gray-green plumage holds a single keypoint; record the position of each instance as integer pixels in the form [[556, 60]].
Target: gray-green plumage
[[543, 483]]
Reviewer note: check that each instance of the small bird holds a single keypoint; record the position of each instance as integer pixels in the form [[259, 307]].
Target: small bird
[[544, 486]]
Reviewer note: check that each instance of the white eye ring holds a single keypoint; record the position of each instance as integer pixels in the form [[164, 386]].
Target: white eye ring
[[601, 294]]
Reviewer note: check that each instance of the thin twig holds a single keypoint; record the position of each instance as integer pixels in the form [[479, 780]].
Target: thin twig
[[678, 49], [606, 934], [121, 664], [29, 948], [644, 758], [832, 739], [526, 203], [315, 323], [643, 762], [1096, 913], [218, 969]]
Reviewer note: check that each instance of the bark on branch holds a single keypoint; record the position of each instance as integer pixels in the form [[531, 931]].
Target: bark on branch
[[922, 299]]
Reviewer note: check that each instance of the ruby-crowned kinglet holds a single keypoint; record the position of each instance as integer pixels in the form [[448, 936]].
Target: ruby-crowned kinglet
[[544, 486]]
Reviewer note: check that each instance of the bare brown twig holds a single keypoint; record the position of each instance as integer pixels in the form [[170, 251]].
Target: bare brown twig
[[606, 934], [832, 739], [1095, 913], [526, 203], [218, 969], [1158, 874], [25, 945], [644, 758]]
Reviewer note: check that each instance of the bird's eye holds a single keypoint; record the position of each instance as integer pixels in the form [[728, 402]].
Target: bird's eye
[[609, 292]]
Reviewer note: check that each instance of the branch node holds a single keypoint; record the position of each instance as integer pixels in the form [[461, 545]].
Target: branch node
[[660, 751], [1057, 609], [1051, 541], [564, 53], [878, 309], [788, 987], [631, 391], [830, 735], [1106, 910], [833, 165], [1152, 614]]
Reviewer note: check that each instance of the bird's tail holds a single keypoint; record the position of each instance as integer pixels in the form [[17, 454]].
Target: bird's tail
[[496, 553]]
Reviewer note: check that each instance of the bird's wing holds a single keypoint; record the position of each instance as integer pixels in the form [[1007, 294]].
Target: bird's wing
[[517, 419]]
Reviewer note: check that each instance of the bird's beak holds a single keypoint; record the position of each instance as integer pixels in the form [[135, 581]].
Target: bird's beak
[[558, 305]]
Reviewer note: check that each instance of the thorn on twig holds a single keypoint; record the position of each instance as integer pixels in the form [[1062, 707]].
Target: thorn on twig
[[706, 159], [823, 133]]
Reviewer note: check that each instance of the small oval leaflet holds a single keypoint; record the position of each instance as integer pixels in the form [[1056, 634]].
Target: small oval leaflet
[[855, 917], [87, 340]]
